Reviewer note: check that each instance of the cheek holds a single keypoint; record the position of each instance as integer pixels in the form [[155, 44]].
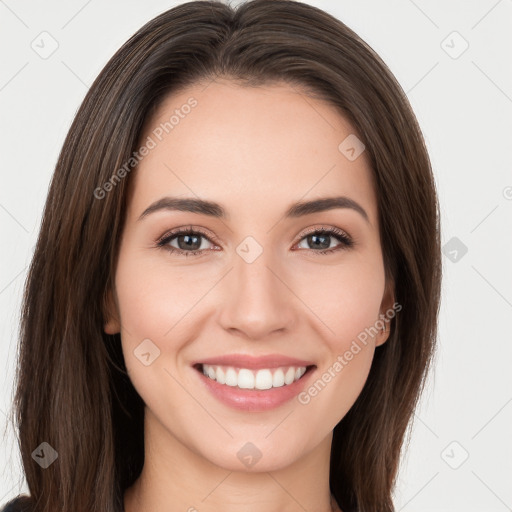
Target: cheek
[[347, 301], [337, 386], [160, 314], [344, 370], [154, 297], [152, 307], [345, 298]]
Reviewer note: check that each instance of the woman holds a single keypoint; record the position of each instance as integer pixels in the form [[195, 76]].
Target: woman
[[185, 345]]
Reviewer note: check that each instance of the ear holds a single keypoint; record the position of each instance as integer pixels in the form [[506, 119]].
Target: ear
[[388, 300], [112, 324]]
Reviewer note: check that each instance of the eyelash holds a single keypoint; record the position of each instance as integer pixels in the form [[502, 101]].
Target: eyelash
[[341, 236]]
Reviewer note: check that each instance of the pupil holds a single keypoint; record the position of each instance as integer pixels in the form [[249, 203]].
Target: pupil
[[187, 244], [325, 245]]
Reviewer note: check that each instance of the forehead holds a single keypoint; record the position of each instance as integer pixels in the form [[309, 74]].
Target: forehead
[[249, 147]]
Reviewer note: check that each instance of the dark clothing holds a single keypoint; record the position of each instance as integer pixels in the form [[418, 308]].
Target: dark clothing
[[15, 505]]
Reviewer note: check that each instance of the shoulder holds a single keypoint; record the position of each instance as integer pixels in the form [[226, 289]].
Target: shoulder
[[18, 504]]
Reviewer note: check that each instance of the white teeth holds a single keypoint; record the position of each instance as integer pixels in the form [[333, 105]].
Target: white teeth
[[250, 379], [278, 378], [245, 379], [263, 379], [231, 377], [290, 376], [221, 376]]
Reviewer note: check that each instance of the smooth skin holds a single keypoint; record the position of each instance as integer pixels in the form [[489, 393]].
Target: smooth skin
[[255, 151]]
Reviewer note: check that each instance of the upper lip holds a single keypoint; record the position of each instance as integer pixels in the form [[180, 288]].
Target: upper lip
[[247, 361]]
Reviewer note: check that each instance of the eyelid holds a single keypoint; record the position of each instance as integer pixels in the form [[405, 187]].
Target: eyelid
[[186, 229], [332, 230]]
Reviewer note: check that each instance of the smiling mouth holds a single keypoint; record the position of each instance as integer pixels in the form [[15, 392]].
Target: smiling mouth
[[248, 379]]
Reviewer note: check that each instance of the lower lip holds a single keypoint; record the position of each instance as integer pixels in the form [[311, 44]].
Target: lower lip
[[255, 400]]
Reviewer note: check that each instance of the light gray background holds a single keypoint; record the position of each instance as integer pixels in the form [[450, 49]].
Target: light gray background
[[464, 106]]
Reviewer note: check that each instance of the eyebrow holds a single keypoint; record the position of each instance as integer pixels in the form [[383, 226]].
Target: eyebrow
[[213, 209]]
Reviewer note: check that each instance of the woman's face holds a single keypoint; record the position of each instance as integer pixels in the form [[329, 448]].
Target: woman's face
[[251, 282]]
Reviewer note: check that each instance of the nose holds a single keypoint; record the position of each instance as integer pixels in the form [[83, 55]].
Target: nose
[[257, 301]]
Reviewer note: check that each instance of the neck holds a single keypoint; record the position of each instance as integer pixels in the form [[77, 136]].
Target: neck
[[175, 478]]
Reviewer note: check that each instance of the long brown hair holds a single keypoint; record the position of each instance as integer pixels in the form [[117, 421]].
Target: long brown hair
[[72, 389]]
